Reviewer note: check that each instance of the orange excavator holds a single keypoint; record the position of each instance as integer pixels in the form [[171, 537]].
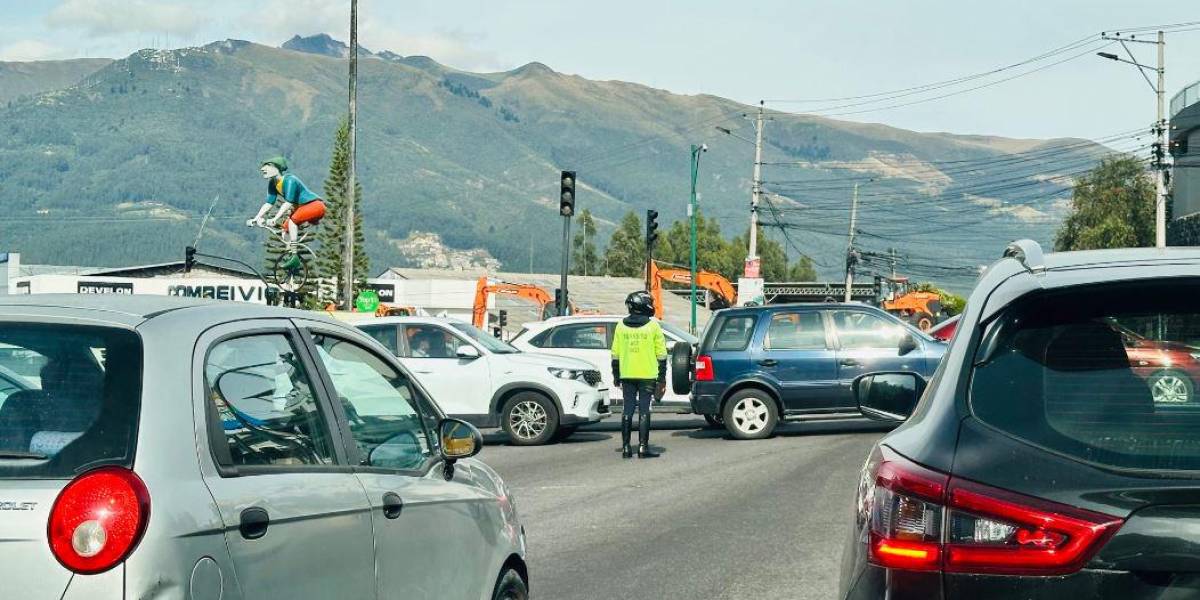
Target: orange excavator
[[921, 309], [718, 285], [485, 287]]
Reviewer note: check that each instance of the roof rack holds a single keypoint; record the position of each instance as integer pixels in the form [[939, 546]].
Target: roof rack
[[1029, 253]]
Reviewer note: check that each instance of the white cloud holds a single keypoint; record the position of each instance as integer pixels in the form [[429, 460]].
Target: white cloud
[[453, 48], [26, 50], [98, 18]]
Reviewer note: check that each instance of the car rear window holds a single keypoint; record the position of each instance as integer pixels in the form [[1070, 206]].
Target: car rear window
[[729, 332], [76, 400], [1107, 374]]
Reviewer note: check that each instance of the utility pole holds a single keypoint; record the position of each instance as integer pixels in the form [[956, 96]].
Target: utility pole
[[893, 259], [755, 192], [750, 284], [1160, 205], [850, 243], [351, 186], [1160, 124]]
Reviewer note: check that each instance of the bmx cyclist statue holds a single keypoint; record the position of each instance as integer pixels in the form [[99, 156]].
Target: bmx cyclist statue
[[306, 207]]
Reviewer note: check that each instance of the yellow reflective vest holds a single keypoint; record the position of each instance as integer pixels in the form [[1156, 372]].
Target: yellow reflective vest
[[637, 350]]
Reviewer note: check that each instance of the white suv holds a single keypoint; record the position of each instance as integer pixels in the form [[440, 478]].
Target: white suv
[[482, 380], [590, 338]]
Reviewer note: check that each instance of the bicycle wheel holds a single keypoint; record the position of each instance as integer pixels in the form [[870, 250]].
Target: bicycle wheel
[[290, 271]]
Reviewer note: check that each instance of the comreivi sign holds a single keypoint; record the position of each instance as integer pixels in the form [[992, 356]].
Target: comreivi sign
[[235, 290]]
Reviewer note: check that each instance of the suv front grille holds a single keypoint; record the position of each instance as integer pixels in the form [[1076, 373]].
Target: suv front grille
[[592, 377]]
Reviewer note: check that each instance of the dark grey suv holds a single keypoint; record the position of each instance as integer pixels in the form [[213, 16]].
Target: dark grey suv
[[1039, 462]]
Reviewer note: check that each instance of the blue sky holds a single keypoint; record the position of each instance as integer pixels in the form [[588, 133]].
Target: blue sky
[[749, 50]]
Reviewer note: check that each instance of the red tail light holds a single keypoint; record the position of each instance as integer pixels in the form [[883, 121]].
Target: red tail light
[[98, 519], [704, 368], [920, 519]]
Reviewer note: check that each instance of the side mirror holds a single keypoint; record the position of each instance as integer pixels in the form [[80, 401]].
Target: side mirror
[[459, 440], [889, 397], [467, 352], [907, 343]]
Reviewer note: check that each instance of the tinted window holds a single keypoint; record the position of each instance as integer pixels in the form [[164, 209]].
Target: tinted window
[[795, 331], [386, 334], [431, 341], [731, 332], [379, 404], [592, 336], [70, 397], [491, 343], [1106, 374], [857, 330], [539, 340], [266, 404]]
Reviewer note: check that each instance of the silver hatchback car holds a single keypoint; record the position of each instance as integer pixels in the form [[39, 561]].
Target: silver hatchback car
[[155, 447]]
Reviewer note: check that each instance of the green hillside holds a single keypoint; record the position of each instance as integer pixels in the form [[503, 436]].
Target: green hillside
[[27, 78], [119, 169]]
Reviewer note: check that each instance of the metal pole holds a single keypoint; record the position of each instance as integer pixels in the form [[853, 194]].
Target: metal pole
[[351, 184], [850, 244], [692, 219], [566, 264], [1160, 203], [755, 189]]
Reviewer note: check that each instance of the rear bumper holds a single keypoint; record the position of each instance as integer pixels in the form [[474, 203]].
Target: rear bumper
[[877, 583], [706, 398]]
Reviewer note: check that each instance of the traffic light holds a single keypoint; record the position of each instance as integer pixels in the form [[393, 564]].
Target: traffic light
[[566, 199], [504, 318], [189, 259], [651, 228]]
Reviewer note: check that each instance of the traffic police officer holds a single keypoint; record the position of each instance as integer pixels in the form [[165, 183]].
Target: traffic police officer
[[639, 364]]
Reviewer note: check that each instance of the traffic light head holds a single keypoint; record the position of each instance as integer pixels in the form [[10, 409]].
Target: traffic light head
[[566, 199], [651, 227], [189, 259], [503, 318]]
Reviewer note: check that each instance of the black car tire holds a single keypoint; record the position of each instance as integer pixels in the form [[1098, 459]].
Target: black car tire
[[529, 419], [510, 586], [714, 420], [681, 368], [750, 415], [1172, 384]]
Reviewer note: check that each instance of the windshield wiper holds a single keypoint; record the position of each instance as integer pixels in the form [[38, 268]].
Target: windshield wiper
[[22, 455]]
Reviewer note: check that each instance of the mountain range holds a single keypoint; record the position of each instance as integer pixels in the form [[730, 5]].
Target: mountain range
[[117, 162]]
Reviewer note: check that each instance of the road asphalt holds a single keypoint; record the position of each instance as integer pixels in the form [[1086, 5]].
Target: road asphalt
[[712, 518]]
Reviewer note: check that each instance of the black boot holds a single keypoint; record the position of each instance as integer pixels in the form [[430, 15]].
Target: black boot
[[626, 427], [644, 436]]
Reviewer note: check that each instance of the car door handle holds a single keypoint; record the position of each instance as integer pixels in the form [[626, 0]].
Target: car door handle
[[848, 362], [422, 372], [768, 362], [253, 523], [392, 505]]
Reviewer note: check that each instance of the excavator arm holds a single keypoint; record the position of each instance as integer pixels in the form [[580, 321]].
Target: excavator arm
[[704, 279], [484, 287]]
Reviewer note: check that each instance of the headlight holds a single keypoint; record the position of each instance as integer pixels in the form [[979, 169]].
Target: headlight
[[565, 373]]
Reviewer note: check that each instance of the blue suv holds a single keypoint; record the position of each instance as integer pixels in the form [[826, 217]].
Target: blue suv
[[758, 365]]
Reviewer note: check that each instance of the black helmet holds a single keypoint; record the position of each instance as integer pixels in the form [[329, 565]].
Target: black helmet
[[640, 303]]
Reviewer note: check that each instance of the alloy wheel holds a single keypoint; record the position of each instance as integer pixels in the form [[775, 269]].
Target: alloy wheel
[[1170, 389], [527, 419]]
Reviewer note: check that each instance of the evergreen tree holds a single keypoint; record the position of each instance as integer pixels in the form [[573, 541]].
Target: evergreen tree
[[331, 234], [1112, 206], [802, 269], [626, 252], [584, 258]]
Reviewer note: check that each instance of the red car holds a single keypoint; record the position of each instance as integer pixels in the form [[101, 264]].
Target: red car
[[1171, 369]]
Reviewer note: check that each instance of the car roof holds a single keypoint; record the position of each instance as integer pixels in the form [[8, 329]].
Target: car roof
[[369, 320], [1119, 256], [793, 305], [133, 310]]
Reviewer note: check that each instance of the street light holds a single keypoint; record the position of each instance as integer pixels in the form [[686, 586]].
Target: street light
[[1160, 125], [696, 152]]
